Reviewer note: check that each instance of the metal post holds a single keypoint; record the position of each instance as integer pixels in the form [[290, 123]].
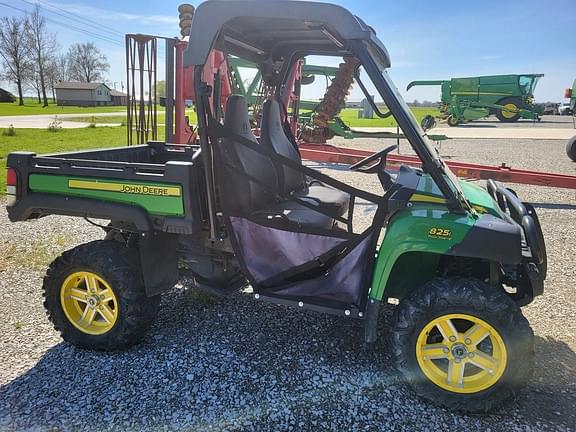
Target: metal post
[[169, 91], [180, 102], [141, 66], [128, 43]]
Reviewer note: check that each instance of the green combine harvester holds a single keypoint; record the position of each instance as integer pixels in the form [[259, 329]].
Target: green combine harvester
[[508, 97]]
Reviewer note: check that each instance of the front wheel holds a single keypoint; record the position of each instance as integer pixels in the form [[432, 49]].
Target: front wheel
[[463, 344], [452, 121], [511, 111], [95, 297]]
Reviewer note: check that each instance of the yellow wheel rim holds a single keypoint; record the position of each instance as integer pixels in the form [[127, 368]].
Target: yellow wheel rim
[[461, 353], [89, 303], [513, 110]]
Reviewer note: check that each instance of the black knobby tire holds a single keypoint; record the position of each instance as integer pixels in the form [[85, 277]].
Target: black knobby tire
[[472, 297], [452, 121], [509, 100], [120, 267], [571, 148]]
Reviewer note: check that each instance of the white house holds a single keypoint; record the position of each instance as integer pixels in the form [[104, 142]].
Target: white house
[[82, 94]]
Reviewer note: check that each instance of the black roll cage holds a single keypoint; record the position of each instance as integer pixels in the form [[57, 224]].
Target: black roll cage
[[430, 164]]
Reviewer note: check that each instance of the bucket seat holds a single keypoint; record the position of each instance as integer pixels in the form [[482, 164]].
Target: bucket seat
[[291, 181], [250, 182]]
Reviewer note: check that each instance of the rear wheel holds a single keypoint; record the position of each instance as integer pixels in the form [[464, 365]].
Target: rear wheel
[[94, 296], [511, 112], [463, 344], [571, 148]]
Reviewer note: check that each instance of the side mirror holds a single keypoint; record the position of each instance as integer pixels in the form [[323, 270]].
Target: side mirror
[[428, 123]]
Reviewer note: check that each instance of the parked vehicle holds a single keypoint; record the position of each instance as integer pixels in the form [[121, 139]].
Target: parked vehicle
[[565, 109], [508, 97], [459, 259], [550, 108], [570, 93]]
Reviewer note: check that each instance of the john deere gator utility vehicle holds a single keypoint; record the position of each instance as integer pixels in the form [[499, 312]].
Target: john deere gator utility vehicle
[[508, 97], [459, 259]]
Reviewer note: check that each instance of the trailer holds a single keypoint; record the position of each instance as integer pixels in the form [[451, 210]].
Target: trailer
[[508, 97]]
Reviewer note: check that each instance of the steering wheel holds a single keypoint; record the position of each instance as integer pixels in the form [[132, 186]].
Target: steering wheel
[[377, 167]]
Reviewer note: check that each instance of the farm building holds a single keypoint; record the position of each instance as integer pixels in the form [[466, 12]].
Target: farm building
[[82, 94], [6, 96], [118, 98]]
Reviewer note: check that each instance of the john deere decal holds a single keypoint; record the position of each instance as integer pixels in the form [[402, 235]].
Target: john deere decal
[[129, 188]]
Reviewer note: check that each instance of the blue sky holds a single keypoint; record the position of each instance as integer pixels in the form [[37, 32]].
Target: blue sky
[[425, 39]]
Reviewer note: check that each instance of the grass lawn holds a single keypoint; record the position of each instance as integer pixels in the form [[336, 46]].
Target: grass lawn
[[111, 119], [116, 119], [31, 107], [349, 115], [121, 119], [42, 141]]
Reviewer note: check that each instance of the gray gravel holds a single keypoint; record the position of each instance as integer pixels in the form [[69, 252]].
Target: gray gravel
[[236, 364]]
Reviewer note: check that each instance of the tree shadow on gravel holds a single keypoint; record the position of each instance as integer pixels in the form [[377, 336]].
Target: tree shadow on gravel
[[551, 395], [237, 364], [477, 126]]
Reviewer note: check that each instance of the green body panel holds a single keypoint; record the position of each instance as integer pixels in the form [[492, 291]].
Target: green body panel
[[475, 113], [475, 194], [408, 243], [480, 198], [154, 204], [409, 231]]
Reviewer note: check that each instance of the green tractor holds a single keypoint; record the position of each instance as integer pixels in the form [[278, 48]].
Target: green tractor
[[508, 97], [231, 209]]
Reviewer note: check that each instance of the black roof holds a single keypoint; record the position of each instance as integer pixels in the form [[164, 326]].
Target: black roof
[[271, 29]]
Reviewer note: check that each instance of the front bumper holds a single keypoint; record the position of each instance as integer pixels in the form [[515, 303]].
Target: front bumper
[[528, 276]]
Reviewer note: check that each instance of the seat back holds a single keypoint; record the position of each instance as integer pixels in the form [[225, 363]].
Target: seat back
[[244, 170], [273, 136]]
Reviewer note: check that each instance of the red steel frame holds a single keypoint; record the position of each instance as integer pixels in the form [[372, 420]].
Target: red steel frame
[[347, 155], [217, 64]]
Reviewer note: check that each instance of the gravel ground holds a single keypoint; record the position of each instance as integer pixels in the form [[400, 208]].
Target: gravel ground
[[236, 364]]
